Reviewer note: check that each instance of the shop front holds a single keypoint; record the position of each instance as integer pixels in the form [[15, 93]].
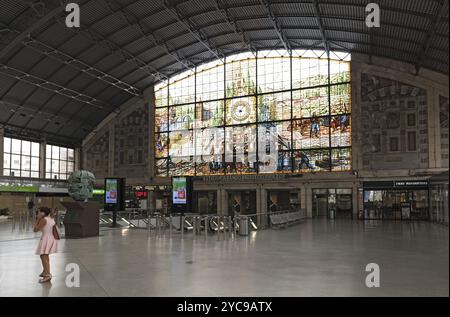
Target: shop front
[[396, 200]]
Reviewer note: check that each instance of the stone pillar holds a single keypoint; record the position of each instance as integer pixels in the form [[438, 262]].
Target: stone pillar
[[309, 200], [262, 219], [149, 96], [111, 151], [43, 159], [302, 196], [77, 163], [355, 202], [2, 134], [219, 200], [433, 125], [224, 202]]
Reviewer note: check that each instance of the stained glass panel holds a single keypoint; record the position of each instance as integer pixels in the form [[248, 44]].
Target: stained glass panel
[[181, 117], [240, 75], [273, 107], [216, 121], [340, 99], [209, 114], [308, 103]]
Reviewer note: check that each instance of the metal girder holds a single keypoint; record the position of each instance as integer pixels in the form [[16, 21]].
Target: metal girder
[[116, 49], [48, 11], [191, 28], [17, 107], [319, 22], [276, 26], [80, 65], [429, 36], [133, 21], [37, 134], [222, 7], [50, 86]]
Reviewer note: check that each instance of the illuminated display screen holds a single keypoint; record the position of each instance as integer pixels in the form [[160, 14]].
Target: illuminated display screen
[[179, 190], [270, 113], [111, 191]]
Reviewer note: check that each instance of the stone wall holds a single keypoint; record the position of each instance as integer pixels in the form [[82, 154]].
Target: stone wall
[[394, 122], [120, 146], [443, 120], [398, 119]]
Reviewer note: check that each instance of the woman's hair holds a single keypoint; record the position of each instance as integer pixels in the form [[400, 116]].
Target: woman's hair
[[45, 210]]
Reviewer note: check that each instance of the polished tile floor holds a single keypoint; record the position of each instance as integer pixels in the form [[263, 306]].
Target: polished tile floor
[[315, 258]]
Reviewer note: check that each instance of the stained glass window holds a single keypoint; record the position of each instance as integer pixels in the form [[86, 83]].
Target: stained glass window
[[266, 113]]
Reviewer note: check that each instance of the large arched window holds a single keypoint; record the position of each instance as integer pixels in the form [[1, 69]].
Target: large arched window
[[271, 113]]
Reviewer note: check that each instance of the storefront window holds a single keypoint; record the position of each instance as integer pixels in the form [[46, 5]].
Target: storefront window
[[395, 204]]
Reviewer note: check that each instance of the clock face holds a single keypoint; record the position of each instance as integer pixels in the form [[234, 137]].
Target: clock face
[[240, 111]]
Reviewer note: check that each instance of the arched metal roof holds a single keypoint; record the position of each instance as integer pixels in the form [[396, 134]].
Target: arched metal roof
[[60, 83]]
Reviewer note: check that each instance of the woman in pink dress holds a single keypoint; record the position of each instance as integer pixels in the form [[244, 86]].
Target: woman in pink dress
[[47, 244]]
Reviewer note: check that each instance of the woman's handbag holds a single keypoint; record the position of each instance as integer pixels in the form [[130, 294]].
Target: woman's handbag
[[55, 232]]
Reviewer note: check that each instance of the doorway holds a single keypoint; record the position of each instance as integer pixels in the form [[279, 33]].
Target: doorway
[[241, 202], [332, 203]]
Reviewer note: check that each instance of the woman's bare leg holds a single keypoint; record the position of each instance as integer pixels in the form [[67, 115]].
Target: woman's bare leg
[[42, 256], [47, 264]]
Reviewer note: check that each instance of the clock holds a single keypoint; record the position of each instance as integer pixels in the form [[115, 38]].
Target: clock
[[240, 111]]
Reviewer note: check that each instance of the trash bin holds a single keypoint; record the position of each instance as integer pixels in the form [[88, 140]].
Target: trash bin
[[243, 226]]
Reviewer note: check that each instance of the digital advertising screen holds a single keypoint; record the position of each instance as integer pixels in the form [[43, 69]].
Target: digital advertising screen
[[111, 192], [179, 190]]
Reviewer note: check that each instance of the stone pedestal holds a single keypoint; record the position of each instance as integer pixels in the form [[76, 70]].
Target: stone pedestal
[[81, 219]]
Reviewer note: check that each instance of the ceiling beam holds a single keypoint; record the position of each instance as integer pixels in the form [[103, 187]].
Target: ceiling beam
[[429, 36], [13, 107], [114, 48], [51, 86], [35, 134], [221, 6], [321, 27], [49, 10], [283, 39], [80, 65], [191, 28], [133, 21]]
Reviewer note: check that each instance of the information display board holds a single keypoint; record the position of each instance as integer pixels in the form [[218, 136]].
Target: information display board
[[111, 190], [179, 190]]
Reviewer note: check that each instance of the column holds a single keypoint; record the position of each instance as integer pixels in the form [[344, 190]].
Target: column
[[219, 200], [224, 202], [262, 211], [309, 204], [42, 161], [302, 195], [111, 150], [2, 134], [258, 205], [149, 97], [434, 149], [355, 202], [77, 163]]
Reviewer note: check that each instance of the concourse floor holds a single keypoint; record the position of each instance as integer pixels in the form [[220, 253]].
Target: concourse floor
[[314, 258]]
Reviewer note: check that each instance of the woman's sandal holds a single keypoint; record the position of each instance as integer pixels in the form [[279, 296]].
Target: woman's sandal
[[42, 274], [46, 278]]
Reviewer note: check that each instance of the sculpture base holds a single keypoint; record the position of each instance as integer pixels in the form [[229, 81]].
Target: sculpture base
[[81, 219]]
